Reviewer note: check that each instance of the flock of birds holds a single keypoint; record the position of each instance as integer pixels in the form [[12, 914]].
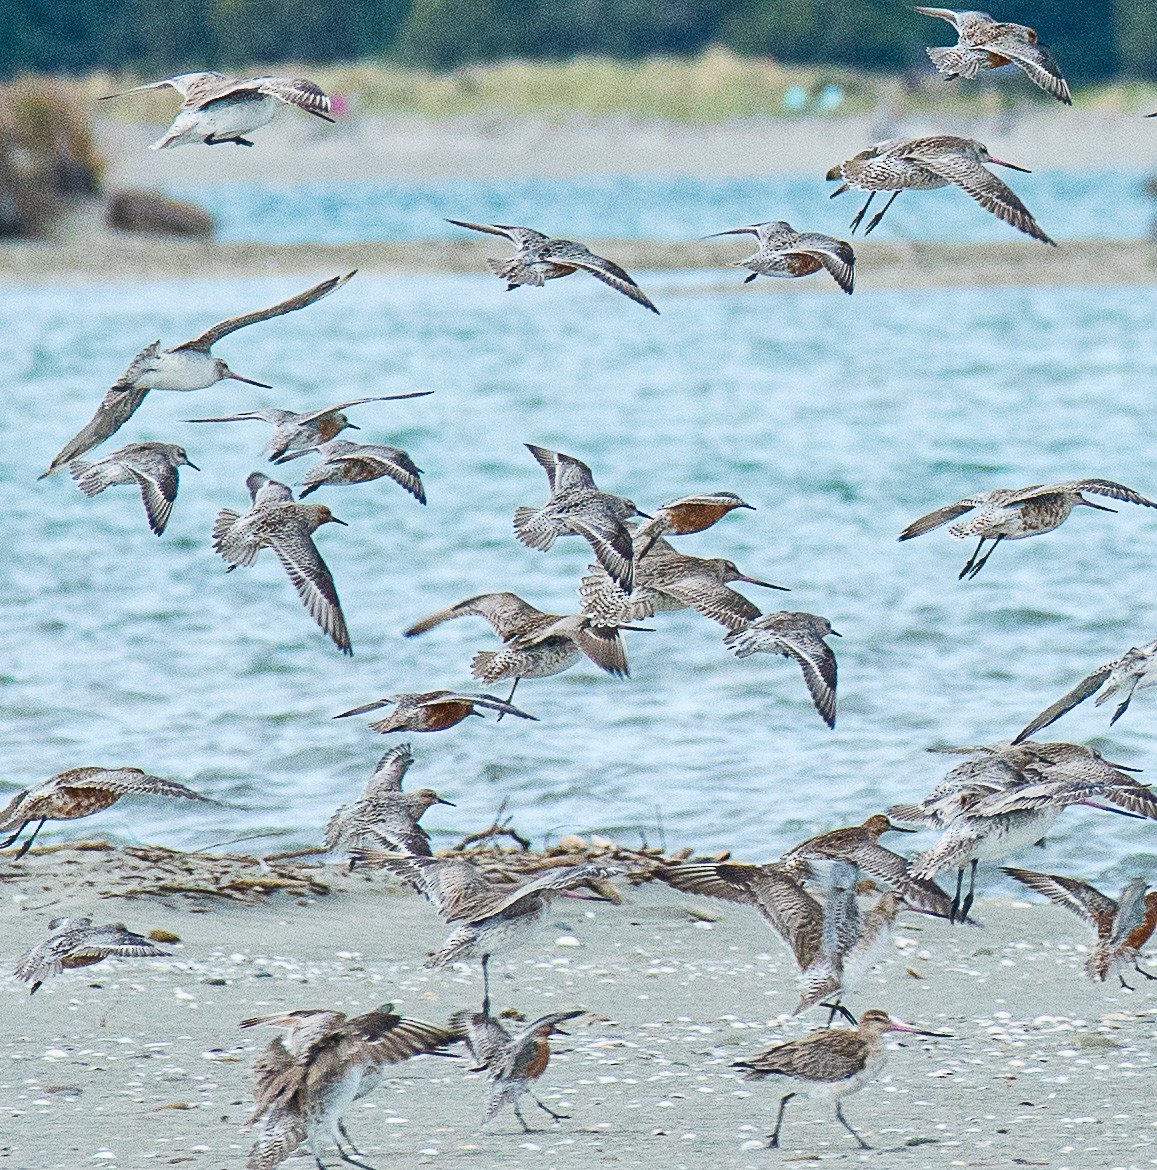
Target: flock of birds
[[833, 899]]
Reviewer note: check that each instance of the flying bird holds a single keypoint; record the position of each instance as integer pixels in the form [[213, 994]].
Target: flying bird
[[343, 462], [784, 252], [150, 466], [433, 710], [75, 942]]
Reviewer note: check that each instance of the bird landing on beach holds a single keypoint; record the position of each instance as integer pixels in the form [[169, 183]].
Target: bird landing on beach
[[784, 252], [75, 942], [216, 109], [984, 43], [538, 258]]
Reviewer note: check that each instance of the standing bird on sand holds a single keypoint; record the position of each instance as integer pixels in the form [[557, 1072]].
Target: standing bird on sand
[[1017, 513], [185, 367], [276, 521], [1123, 927], [75, 942], [150, 466], [433, 710], [1121, 678], [984, 43], [345, 462], [217, 109], [539, 258], [784, 252], [513, 1062], [577, 508], [926, 164], [829, 1063], [80, 792], [799, 636], [295, 431]]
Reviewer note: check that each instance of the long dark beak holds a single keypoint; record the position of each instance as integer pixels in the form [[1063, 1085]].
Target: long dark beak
[[645, 515], [639, 629], [897, 1026], [1099, 507], [296, 454], [249, 381], [352, 426], [1011, 166], [897, 829], [190, 463], [743, 231], [765, 584], [751, 506], [835, 633], [335, 520], [453, 805]]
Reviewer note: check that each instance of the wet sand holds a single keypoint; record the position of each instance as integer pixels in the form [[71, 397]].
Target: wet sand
[[140, 1063]]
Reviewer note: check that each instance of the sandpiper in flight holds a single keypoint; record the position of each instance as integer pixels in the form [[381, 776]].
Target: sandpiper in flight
[[784, 252]]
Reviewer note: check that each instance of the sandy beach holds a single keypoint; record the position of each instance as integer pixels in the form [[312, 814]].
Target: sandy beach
[[138, 1063]]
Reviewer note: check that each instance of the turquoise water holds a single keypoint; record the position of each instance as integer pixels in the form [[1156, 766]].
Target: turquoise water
[[1068, 204], [840, 418]]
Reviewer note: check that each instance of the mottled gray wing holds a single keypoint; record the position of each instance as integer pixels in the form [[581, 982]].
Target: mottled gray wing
[[936, 519], [818, 663], [293, 91], [520, 237], [1131, 910], [263, 490], [507, 614], [158, 491], [282, 1132], [713, 600], [1116, 491], [487, 1040], [608, 536], [562, 471], [389, 772], [314, 583], [1067, 702], [1037, 62], [390, 461], [835, 255], [604, 646], [608, 605], [393, 1038], [579, 256], [1082, 899], [314, 415], [205, 341], [124, 781]]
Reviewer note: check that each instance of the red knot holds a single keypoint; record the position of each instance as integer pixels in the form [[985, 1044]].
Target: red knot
[[687, 515], [829, 1063], [1018, 513], [216, 109], [433, 710], [1123, 927], [799, 636], [150, 466], [344, 462], [276, 521], [784, 252], [75, 942], [538, 258], [925, 164], [185, 367], [1119, 678], [80, 792], [984, 43]]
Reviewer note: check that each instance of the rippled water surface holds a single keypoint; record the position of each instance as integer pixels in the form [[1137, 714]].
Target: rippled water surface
[[840, 418], [1068, 204]]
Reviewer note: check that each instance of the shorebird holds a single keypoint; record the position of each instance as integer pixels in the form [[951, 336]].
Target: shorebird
[[150, 466], [80, 792], [539, 258], [686, 515], [538, 644], [75, 942], [784, 252], [513, 1062], [384, 816], [294, 431], [799, 636], [1121, 677], [307, 1082], [345, 462], [577, 508], [830, 1063], [1123, 927], [1017, 513], [216, 109], [488, 917], [984, 43], [185, 367], [276, 521], [925, 164], [433, 710], [665, 581]]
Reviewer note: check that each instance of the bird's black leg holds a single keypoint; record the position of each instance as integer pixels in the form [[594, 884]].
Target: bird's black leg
[[971, 560], [548, 1109], [956, 897], [773, 1140], [971, 890], [508, 698], [518, 1113], [838, 1008], [844, 1122], [984, 561], [28, 844], [1141, 971], [880, 214], [349, 1141], [749, 279], [1124, 985], [486, 985], [12, 839], [860, 213]]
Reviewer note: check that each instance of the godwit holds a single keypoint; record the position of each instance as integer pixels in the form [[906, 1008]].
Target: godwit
[[433, 710], [513, 1062], [185, 367], [1123, 927], [539, 258], [150, 466], [306, 1086], [577, 508], [925, 164], [1017, 513], [216, 109], [830, 1063], [984, 43], [488, 917], [799, 636], [294, 431], [344, 462], [384, 816], [276, 521], [686, 515], [538, 644], [80, 792], [784, 252], [665, 581], [1121, 677], [75, 942]]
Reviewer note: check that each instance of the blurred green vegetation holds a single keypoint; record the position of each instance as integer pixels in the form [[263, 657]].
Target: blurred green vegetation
[[1094, 40]]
